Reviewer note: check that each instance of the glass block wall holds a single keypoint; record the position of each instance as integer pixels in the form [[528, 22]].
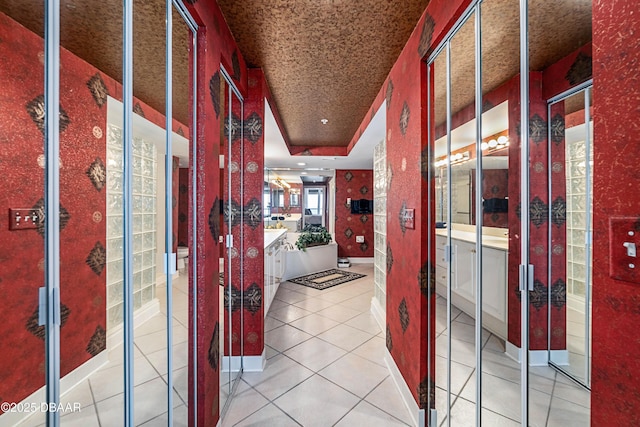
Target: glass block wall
[[577, 187], [144, 224], [380, 222]]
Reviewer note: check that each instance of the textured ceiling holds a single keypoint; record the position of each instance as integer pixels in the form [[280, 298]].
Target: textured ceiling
[[93, 31], [322, 59], [556, 29]]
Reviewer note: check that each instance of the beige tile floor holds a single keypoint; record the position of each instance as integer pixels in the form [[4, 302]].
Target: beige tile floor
[[325, 363], [554, 399], [325, 368]]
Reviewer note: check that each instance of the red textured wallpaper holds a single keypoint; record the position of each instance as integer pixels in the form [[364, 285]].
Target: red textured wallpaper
[[215, 46], [183, 206], [409, 264], [83, 204], [354, 184], [253, 226], [615, 364]]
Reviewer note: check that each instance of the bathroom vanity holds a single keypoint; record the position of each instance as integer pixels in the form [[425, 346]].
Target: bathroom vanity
[[274, 242], [495, 246]]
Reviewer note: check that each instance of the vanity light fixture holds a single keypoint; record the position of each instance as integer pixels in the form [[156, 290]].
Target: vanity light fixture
[[281, 183], [452, 159]]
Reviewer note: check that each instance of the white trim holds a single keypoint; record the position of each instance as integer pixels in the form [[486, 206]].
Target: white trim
[[361, 260], [537, 357], [379, 313], [255, 363], [560, 357], [417, 414], [144, 313], [513, 351], [67, 383]]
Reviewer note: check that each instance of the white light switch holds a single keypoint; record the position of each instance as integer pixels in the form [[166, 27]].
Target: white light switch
[[359, 239]]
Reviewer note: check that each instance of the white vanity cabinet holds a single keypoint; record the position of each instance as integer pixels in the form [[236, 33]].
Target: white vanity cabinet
[[463, 279], [273, 264]]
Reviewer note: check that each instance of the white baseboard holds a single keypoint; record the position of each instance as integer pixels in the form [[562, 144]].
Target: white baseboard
[[231, 363], [361, 260], [255, 363], [247, 363], [67, 383], [537, 357], [417, 414], [379, 313], [512, 351], [560, 357], [115, 335]]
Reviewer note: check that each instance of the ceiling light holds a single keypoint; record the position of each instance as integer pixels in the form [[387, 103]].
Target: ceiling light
[[324, 121], [302, 164]]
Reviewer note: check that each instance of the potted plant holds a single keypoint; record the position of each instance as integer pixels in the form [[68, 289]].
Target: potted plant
[[313, 235]]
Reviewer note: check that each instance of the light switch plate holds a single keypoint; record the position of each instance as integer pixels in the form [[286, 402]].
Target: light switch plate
[[359, 239], [624, 233], [23, 219]]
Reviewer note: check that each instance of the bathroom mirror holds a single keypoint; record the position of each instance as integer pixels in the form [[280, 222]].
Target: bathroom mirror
[[232, 254], [570, 314], [494, 187]]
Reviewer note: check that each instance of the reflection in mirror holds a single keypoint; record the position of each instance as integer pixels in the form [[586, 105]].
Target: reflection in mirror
[[560, 207], [225, 256], [151, 239], [498, 192], [494, 189], [438, 70], [22, 163], [574, 149], [463, 280], [183, 283], [293, 196], [231, 254]]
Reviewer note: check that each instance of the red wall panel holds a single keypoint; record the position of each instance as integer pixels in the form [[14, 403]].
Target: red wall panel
[[615, 389], [354, 184]]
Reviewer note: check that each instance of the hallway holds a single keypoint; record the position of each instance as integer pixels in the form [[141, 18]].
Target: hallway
[[326, 367], [325, 363]]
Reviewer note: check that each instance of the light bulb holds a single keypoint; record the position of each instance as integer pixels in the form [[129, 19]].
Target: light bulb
[[502, 140], [484, 146], [493, 143]]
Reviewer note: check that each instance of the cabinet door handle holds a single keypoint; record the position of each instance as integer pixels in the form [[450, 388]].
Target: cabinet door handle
[[473, 251]]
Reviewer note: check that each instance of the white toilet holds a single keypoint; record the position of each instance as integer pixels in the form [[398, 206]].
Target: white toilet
[[183, 258]]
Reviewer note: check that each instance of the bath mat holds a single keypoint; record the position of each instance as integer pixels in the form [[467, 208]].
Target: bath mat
[[326, 279]]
